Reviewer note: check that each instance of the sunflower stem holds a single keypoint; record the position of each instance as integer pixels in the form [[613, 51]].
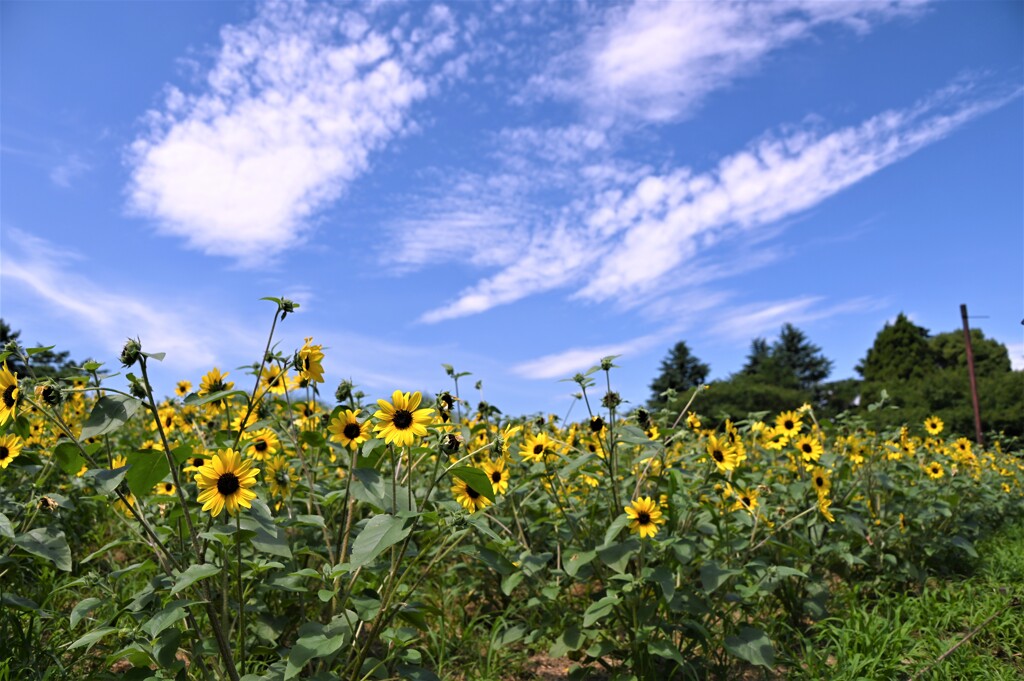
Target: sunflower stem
[[241, 598]]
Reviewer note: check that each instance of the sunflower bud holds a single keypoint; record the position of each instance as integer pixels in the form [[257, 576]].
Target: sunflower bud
[[611, 400], [286, 307], [344, 391], [48, 392], [138, 389], [643, 417], [450, 443], [130, 353]]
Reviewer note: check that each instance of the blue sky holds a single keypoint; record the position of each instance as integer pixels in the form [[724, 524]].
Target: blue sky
[[516, 189]]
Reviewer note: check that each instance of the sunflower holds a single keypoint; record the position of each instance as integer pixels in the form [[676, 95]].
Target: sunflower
[[722, 454], [309, 415], [693, 421], [822, 481], [746, 500], [126, 508], [963, 445], [810, 447], [213, 382], [225, 482], [8, 394], [280, 475], [497, 474], [934, 470], [787, 423], [118, 462], [934, 425], [183, 388], [194, 464], [10, 447], [645, 517], [346, 429], [165, 489], [308, 362], [469, 498], [275, 380], [168, 418], [400, 422], [535, 447], [264, 443]]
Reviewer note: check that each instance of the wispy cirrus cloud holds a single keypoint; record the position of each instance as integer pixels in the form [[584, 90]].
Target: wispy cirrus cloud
[[71, 168], [631, 237], [658, 61], [742, 322], [291, 112]]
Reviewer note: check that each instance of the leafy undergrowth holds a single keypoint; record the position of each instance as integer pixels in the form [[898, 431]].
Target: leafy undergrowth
[[903, 636]]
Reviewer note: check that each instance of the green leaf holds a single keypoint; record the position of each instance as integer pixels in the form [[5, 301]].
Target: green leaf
[[195, 400], [146, 469], [964, 545], [570, 639], [193, 574], [69, 458], [666, 650], [269, 537], [599, 609], [664, 578], [380, 533], [92, 637], [17, 601], [36, 351], [753, 646], [107, 479], [613, 530], [48, 543], [576, 561], [312, 646], [110, 413], [170, 614], [617, 555], [476, 479], [82, 609], [712, 575], [6, 529]]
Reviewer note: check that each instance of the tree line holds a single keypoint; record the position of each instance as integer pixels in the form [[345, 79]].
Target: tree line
[[921, 373]]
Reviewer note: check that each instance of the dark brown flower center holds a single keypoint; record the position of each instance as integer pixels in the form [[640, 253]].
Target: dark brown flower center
[[402, 419], [807, 448], [787, 424], [537, 449], [472, 493], [4, 452], [496, 476], [718, 455], [643, 517], [227, 484], [168, 487], [261, 445], [8, 397], [197, 462], [819, 481], [352, 431]]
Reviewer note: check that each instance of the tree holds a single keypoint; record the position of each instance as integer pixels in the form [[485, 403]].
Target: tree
[[44, 364], [760, 354], [900, 352], [680, 371], [791, 361]]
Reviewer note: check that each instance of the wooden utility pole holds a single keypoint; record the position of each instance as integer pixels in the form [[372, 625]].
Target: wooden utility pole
[[974, 381]]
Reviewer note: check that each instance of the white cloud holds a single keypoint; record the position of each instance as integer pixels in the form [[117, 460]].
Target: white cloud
[[72, 167], [295, 105], [657, 61], [565, 363], [1016, 351], [746, 321], [629, 239], [190, 337]]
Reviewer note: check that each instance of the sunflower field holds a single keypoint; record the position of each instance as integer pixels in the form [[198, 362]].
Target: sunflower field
[[250, 527]]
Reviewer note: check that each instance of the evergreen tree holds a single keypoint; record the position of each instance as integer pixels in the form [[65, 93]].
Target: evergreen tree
[[760, 353], [44, 364], [680, 371], [796, 356], [900, 352]]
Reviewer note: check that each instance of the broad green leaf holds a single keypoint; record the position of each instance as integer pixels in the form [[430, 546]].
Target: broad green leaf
[[171, 613], [92, 637], [36, 351], [69, 458], [17, 601], [510, 582], [82, 609], [312, 646], [195, 400], [110, 413], [617, 555], [570, 639], [964, 545], [6, 529], [666, 650], [380, 533], [576, 561], [107, 479], [613, 530], [476, 479], [269, 537], [599, 609], [193, 574], [712, 575], [664, 578], [147, 468], [48, 543], [752, 645]]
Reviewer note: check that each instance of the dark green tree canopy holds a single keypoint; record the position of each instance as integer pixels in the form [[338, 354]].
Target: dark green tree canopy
[[901, 351], [792, 361], [680, 371]]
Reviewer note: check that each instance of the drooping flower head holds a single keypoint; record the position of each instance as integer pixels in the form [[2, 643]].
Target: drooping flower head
[[224, 482], [399, 421], [10, 447], [308, 362], [645, 516]]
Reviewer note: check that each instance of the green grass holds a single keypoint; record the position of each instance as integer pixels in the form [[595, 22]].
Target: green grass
[[896, 636]]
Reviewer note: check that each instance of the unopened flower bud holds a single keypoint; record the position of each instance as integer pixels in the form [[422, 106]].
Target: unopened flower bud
[[130, 352]]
